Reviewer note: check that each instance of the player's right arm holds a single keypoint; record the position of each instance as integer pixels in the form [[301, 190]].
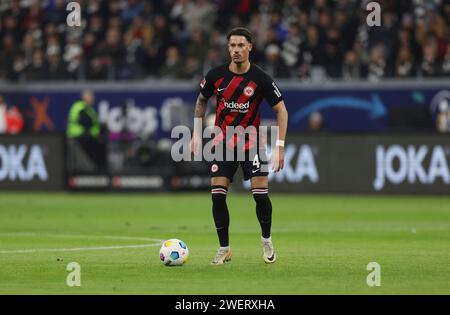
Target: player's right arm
[[199, 115], [274, 97], [206, 91], [200, 106]]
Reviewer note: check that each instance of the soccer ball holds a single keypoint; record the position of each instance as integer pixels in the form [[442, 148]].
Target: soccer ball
[[173, 252]]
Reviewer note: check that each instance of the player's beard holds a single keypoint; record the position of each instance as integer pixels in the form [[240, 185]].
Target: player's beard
[[237, 59]]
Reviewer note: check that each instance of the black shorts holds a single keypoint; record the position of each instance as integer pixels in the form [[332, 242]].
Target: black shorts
[[252, 166]]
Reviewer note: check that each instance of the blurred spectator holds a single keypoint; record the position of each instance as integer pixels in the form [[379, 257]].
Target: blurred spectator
[[199, 14], [11, 27], [385, 34], [7, 56], [278, 25], [84, 128], [290, 11], [37, 70], [56, 14], [57, 69], [405, 66], [312, 50], [132, 9], [108, 57], [192, 69], [443, 117], [173, 65], [28, 47], [333, 53], [377, 67], [291, 46], [11, 120], [351, 68], [14, 121], [155, 49], [133, 53], [114, 52], [197, 47], [274, 65], [259, 29], [430, 66], [315, 122], [18, 68], [3, 110], [73, 55], [446, 62], [213, 59]]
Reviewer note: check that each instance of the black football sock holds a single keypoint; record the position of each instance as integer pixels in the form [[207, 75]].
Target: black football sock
[[263, 210], [220, 213]]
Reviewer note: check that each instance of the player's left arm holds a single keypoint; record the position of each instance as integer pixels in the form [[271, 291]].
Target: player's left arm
[[282, 121]]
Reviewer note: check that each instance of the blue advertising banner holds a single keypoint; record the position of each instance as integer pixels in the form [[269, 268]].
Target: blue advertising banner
[[154, 113]]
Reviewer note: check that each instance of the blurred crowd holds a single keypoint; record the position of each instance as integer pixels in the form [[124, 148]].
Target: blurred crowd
[[182, 39], [11, 119]]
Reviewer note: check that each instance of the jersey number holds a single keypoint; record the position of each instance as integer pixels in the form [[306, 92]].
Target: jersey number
[[256, 161]]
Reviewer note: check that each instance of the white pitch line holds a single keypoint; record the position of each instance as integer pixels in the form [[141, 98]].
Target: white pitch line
[[44, 250], [110, 237], [113, 237]]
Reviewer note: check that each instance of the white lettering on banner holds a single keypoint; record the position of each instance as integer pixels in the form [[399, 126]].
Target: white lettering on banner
[[411, 165], [304, 167], [438, 166], [142, 121], [13, 167], [295, 170], [168, 107]]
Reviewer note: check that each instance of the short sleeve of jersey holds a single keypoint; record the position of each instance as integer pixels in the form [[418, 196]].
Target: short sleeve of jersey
[[207, 85], [271, 91]]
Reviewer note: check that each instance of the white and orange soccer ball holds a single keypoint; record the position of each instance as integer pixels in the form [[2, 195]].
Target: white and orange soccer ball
[[173, 252]]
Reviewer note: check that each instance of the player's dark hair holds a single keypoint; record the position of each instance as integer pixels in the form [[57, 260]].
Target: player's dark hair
[[241, 31]]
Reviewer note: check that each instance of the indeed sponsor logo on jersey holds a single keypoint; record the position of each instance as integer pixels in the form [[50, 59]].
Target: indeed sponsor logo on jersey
[[242, 107]]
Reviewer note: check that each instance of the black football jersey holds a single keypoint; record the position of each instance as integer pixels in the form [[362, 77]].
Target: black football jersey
[[239, 95]]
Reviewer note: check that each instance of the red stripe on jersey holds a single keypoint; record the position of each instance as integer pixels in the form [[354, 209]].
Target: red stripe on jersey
[[243, 98], [252, 139], [227, 94], [257, 121], [218, 82], [231, 88], [253, 111], [254, 106]]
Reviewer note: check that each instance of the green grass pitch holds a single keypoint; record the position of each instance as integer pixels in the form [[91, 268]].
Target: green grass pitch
[[323, 242]]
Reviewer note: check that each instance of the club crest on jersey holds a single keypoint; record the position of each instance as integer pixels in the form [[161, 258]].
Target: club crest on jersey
[[202, 84], [214, 168], [249, 91]]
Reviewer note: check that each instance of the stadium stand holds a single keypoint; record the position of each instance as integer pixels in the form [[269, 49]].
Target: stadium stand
[[181, 39]]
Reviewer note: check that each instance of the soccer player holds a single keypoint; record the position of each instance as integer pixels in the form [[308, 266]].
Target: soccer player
[[240, 87]]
